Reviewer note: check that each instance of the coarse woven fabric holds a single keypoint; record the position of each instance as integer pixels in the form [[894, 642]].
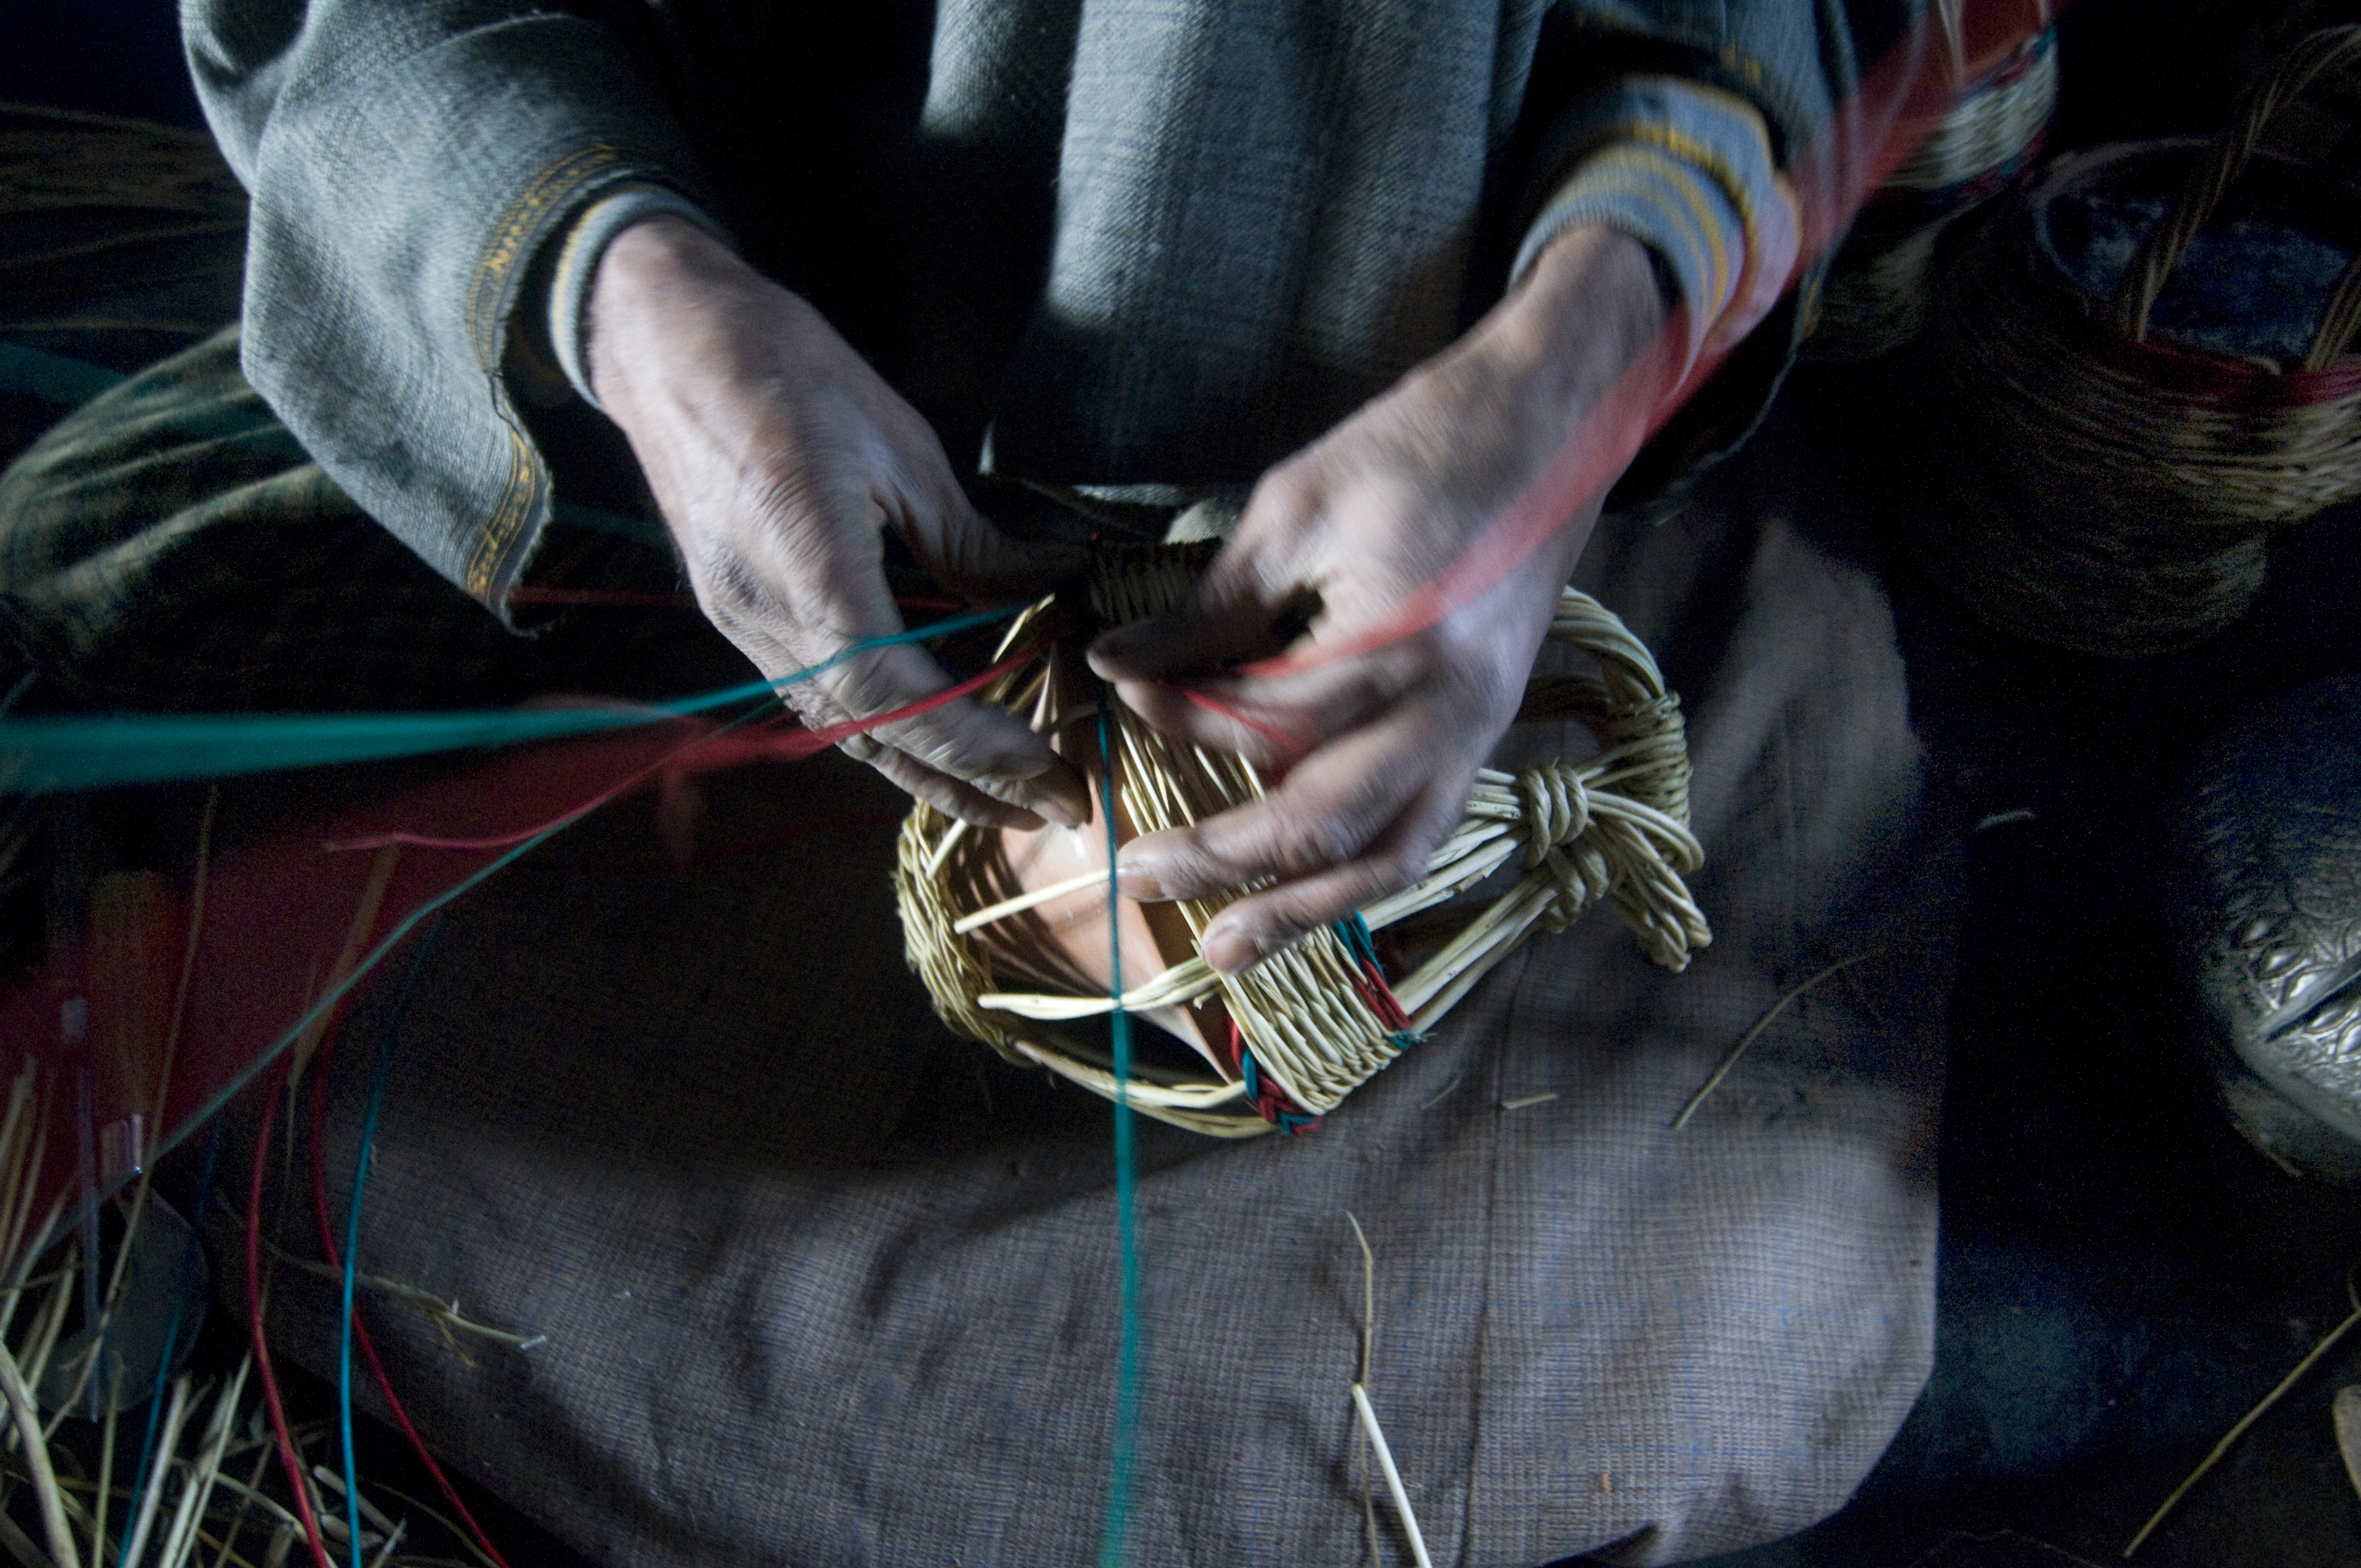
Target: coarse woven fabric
[[1136, 240], [824, 1286], [406, 161], [168, 547]]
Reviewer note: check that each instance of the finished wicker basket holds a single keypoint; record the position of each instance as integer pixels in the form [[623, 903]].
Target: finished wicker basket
[[2125, 448], [1879, 285], [1009, 930]]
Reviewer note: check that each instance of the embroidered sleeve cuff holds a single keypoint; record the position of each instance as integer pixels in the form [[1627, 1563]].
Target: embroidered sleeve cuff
[[577, 264], [1686, 170]]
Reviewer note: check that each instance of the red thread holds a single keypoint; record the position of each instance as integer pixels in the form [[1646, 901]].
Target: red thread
[[318, 1138], [788, 744], [286, 1455], [1890, 115], [1380, 997], [1584, 462], [1292, 746]]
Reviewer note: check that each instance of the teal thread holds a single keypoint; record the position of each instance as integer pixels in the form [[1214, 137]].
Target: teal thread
[[410, 923], [378, 1080], [1126, 1379], [39, 756]]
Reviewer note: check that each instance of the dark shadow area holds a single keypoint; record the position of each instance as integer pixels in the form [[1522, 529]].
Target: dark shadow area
[[2119, 1274]]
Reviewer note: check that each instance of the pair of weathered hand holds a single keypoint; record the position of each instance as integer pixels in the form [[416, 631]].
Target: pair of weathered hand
[[779, 458]]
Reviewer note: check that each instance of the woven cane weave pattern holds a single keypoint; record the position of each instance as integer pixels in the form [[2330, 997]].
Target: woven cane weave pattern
[[2116, 487], [1308, 1025], [1878, 291]]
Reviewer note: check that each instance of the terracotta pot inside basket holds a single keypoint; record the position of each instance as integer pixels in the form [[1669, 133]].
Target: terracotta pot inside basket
[[1062, 944]]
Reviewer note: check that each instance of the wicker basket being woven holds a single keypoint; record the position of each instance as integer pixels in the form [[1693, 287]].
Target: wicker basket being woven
[[1012, 940], [2118, 472]]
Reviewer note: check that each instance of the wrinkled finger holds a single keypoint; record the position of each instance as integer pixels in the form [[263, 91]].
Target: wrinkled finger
[[1234, 615], [991, 750], [953, 796], [1329, 811], [1254, 929], [1267, 734], [964, 551], [957, 545], [1272, 722], [979, 745]]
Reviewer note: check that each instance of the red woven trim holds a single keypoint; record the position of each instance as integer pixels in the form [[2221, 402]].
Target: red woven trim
[[2215, 380]]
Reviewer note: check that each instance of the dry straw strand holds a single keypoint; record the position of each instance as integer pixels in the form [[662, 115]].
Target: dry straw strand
[[2328, 1342], [1369, 1349], [35, 1449], [1730, 1059], [2323, 53], [1393, 1476]]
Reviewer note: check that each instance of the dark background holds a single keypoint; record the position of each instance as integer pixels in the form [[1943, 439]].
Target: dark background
[[2121, 1276]]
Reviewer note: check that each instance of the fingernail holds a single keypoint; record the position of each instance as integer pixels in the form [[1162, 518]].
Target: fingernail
[[1041, 803], [1069, 795], [1136, 881], [1230, 951], [1106, 657]]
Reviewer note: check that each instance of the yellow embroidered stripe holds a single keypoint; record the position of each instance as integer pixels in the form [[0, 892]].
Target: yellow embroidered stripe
[[1645, 174], [525, 490], [506, 249]]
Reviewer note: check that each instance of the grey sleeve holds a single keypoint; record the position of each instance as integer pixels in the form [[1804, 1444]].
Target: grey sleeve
[[1802, 63], [408, 159], [1824, 75]]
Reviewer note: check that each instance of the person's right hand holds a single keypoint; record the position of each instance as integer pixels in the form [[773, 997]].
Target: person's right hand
[[780, 459]]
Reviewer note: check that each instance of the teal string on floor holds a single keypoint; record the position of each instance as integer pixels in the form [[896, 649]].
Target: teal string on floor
[[193, 1258], [1126, 1378], [379, 1075]]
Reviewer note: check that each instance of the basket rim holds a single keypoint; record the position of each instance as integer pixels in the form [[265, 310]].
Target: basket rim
[[2086, 319]]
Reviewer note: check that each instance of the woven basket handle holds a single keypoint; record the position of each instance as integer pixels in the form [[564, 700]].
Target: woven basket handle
[[2330, 49], [1583, 622], [2340, 321]]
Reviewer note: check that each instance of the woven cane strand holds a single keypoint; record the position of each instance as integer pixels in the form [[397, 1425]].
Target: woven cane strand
[[1316, 1020]]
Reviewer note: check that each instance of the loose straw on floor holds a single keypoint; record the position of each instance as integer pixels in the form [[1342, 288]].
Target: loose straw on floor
[[2229, 1439], [1738, 1050], [1393, 1476], [1369, 1349]]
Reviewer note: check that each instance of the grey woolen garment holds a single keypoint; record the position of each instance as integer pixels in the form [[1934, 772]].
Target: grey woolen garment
[[824, 1286], [1137, 240]]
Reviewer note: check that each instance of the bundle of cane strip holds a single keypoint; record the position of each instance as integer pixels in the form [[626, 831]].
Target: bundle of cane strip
[[1009, 930]]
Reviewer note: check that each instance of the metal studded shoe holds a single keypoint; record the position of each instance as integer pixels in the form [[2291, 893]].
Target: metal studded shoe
[[2271, 924]]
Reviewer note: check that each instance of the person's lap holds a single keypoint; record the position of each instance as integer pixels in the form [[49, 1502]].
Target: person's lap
[[824, 1285]]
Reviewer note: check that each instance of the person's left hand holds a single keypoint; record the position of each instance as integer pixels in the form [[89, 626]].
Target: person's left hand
[[1379, 747]]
